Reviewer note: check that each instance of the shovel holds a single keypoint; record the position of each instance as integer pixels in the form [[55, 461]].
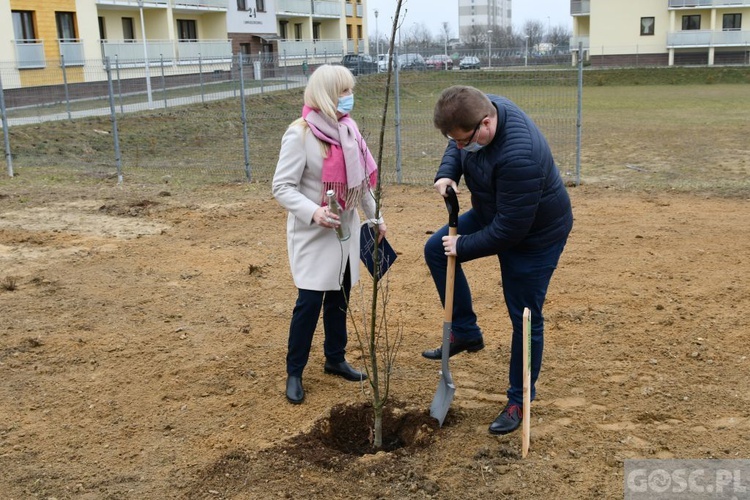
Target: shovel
[[446, 389]]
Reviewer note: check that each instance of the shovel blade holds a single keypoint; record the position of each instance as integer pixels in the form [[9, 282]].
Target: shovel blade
[[441, 403]]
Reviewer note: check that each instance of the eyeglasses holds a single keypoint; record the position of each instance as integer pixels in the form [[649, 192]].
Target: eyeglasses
[[464, 142]]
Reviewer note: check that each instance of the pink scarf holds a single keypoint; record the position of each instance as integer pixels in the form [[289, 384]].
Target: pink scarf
[[349, 167]]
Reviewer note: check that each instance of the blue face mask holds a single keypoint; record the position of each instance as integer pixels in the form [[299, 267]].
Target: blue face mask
[[346, 104], [473, 147]]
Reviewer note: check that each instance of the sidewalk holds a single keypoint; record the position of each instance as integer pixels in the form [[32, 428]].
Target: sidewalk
[[289, 83]]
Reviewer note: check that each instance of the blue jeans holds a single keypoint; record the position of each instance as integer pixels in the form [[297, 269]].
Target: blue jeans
[[305, 320], [525, 276]]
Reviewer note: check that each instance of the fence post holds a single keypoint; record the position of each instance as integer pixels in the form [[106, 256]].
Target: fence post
[[6, 132], [397, 104], [119, 83], [579, 115], [286, 80], [245, 138], [260, 70], [231, 75], [113, 115], [200, 73], [65, 86], [163, 80]]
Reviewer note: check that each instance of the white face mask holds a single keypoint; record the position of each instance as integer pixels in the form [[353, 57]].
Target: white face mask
[[346, 104], [473, 147]]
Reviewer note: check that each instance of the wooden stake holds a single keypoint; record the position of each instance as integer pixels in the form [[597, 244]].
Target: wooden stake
[[526, 422]]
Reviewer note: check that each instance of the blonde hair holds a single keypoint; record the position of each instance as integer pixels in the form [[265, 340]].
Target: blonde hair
[[325, 86]]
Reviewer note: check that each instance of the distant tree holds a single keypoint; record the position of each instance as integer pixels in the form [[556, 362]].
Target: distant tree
[[475, 38], [559, 36], [417, 38], [535, 31], [503, 38]]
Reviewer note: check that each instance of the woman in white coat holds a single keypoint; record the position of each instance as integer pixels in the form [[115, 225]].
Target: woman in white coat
[[321, 151]]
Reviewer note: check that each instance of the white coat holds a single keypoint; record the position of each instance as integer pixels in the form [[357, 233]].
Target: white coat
[[316, 256]]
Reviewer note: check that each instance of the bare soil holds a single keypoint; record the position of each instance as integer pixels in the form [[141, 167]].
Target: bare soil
[[143, 334]]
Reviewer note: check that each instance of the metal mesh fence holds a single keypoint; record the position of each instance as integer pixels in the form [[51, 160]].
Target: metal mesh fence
[[189, 124]]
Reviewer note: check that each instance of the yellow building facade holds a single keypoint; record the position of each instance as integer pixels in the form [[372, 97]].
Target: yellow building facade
[[701, 32], [69, 40]]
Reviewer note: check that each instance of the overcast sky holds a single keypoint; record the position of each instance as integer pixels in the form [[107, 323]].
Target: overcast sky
[[432, 13]]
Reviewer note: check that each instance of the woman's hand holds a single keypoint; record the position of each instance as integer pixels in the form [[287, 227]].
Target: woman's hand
[[381, 231], [325, 218]]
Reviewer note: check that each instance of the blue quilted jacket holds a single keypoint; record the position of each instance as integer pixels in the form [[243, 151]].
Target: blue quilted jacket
[[515, 187]]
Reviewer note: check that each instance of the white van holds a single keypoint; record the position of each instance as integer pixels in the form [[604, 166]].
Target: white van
[[383, 63]]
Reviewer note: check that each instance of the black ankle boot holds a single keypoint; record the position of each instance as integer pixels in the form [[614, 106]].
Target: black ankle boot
[[344, 370], [295, 393]]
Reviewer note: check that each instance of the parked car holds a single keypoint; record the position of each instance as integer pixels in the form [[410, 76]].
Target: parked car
[[411, 62], [439, 61], [469, 62], [360, 64], [383, 60]]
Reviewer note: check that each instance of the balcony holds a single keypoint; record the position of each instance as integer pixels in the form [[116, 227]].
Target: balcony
[[707, 38], [689, 4], [204, 50], [575, 40], [130, 52], [134, 3], [30, 54], [324, 8], [71, 52], [211, 5], [327, 49], [580, 7], [294, 7]]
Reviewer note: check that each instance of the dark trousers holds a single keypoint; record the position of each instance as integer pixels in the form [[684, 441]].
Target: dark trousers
[[305, 320], [525, 275]]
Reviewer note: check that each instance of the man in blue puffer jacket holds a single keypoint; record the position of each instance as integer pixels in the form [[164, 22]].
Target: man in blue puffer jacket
[[520, 213]]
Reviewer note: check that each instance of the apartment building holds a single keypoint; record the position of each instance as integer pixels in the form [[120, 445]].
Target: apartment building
[[295, 30], [38, 40], [475, 17], [662, 32]]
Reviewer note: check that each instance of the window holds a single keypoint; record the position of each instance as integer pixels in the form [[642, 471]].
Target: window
[[23, 26], [260, 5], [349, 31], [298, 31], [66, 26], [241, 5], [102, 29], [283, 26], [186, 30], [316, 31], [359, 31], [647, 26], [246, 48], [691, 22], [128, 31], [732, 22]]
